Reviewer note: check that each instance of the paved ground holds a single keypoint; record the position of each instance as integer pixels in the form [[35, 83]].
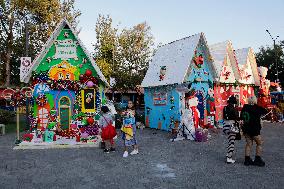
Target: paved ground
[[160, 164]]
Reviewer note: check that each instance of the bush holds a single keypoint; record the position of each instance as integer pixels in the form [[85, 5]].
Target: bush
[[6, 116]]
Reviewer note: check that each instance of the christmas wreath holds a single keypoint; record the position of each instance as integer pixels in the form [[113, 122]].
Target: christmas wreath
[[41, 100]]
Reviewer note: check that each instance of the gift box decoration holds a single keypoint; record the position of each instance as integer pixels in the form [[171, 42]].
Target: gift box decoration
[[48, 136]]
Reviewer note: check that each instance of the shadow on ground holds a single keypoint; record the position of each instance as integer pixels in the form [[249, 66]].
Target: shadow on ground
[[160, 164]]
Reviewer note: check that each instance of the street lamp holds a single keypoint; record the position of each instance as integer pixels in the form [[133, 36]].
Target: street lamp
[[274, 47]]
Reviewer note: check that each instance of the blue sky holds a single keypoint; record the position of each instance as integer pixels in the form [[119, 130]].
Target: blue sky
[[242, 21]]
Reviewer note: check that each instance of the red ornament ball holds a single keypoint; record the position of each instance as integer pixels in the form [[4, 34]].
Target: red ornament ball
[[88, 73], [90, 120], [81, 77]]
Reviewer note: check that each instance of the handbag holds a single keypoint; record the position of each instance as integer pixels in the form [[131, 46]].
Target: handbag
[[108, 132], [234, 128]]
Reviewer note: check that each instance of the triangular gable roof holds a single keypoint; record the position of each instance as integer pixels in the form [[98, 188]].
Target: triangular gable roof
[[246, 56], [50, 42], [176, 56], [219, 52]]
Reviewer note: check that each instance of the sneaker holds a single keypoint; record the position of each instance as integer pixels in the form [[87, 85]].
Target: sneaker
[[134, 152], [112, 149], [106, 151], [230, 160], [125, 154]]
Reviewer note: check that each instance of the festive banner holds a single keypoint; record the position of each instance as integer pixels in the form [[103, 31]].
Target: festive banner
[[26, 64]]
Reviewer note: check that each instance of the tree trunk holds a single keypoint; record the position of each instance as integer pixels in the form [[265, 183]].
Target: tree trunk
[[9, 52], [8, 68]]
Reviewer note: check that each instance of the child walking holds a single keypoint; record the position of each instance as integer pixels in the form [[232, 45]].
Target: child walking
[[108, 133], [129, 130]]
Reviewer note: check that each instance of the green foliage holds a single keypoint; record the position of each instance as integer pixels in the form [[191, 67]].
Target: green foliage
[[133, 56], [105, 45], [39, 18], [124, 56], [6, 116], [267, 57]]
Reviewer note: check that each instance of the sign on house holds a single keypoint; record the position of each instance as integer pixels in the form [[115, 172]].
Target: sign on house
[[65, 49]]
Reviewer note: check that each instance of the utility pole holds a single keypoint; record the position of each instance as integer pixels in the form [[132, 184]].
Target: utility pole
[[275, 53], [27, 54]]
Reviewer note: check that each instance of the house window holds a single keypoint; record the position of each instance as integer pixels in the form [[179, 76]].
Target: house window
[[60, 76], [43, 117], [68, 76], [160, 99], [88, 100]]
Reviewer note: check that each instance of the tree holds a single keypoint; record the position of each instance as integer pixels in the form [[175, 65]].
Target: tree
[[134, 53], [105, 45], [40, 17], [267, 57], [124, 56]]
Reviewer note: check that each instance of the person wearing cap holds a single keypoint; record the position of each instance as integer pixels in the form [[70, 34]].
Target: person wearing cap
[[251, 115], [231, 116]]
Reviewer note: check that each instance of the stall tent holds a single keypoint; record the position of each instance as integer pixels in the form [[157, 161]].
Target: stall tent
[[228, 76], [66, 80], [177, 68], [250, 79]]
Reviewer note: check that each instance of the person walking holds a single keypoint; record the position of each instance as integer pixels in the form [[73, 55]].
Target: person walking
[[251, 116], [129, 129], [231, 128]]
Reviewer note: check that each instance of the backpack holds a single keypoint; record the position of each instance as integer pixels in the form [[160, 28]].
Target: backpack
[[229, 113]]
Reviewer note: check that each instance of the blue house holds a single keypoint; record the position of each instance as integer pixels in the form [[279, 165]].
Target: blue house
[[178, 70]]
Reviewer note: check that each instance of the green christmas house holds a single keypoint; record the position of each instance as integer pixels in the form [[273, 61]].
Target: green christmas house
[[68, 86]]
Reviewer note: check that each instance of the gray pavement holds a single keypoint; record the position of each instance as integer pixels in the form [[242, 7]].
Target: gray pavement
[[160, 164]]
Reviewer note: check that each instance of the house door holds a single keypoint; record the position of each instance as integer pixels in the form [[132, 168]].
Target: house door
[[64, 112]]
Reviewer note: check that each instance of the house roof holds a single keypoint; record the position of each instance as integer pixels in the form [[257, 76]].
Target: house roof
[[242, 55], [219, 52], [246, 56], [50, 42], [176, 57]]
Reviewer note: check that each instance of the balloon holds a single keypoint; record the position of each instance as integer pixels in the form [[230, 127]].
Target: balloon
[[90, 84], [88, 73], [90, 120]]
